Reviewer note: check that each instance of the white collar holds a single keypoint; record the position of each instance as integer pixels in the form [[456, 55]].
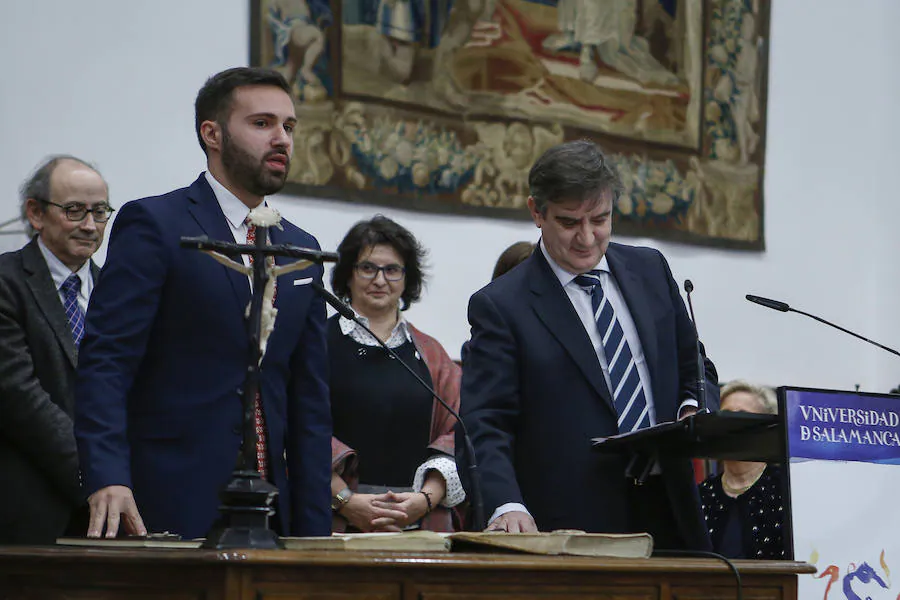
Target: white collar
[[399, 335], [565, 278], [235, 211], [60, 272]]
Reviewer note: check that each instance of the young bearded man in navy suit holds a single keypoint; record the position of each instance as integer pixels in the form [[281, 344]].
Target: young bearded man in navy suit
[[158, 396], [586, 338]]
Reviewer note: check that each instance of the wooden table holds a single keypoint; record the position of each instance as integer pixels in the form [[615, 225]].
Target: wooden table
[[98, 574]]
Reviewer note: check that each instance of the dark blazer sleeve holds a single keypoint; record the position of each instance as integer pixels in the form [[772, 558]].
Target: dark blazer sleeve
[[122, 310], [37, 426], [309, 427], [712, 382], [490, 401]]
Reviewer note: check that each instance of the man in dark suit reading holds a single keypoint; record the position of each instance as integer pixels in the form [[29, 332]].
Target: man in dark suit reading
[[586, 338], [158, 397], [44, 292]]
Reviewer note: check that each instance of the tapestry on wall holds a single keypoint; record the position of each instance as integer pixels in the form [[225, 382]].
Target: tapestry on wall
[[443, 105]]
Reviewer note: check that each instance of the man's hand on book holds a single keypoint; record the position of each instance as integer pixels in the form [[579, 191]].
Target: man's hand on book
[[112, 506], [513, 522]]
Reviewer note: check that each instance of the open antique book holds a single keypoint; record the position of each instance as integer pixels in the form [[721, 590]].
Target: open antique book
[[407, 541], [574, 543]]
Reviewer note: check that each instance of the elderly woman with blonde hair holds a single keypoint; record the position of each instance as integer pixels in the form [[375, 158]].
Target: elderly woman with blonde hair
[[743, 505]]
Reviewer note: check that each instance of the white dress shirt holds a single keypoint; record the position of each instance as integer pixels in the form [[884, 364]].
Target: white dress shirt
[[60, 272], [581, 302], [236, 213]]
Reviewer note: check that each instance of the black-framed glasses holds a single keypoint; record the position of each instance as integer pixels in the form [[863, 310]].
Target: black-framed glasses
[[77, 212], [368, 270]]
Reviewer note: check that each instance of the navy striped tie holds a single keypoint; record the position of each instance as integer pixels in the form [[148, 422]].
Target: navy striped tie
[[70, 288], [627, 390]]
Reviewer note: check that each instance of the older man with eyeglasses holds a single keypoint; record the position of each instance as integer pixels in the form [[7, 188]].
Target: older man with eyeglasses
[[44, 292]]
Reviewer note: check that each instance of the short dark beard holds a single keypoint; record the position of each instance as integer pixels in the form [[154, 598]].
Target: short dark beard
[[245, 172]]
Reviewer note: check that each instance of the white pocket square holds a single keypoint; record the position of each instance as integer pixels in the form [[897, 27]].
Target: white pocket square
[[304, 281]]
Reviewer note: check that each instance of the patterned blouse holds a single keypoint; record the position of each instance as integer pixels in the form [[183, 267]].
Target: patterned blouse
[[445, 465], [751, 525]]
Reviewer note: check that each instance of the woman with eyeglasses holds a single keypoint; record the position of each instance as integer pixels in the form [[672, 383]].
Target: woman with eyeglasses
[[392, 451]]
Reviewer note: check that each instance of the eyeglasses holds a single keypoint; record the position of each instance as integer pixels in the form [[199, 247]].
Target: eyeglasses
[[369, 270], [77, 212]]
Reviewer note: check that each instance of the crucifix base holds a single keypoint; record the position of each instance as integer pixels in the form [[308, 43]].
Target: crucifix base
[[247, 504]]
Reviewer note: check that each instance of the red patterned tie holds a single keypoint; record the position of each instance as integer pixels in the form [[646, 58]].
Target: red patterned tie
[[259, 419]]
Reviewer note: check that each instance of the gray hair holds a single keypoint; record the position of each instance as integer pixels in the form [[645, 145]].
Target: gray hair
[[38, 185], [576, 170], [764, 394]]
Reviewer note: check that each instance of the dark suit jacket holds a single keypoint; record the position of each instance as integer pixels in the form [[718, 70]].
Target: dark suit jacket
[[533, 394], [162, 365], [38, 459]]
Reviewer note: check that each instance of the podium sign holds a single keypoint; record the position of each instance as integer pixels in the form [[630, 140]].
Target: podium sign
[[844, 469]]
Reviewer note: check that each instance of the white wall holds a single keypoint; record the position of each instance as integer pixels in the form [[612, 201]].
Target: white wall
[[116, 86]]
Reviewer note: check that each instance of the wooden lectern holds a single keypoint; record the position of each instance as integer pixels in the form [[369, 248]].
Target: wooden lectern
[[107, 573]]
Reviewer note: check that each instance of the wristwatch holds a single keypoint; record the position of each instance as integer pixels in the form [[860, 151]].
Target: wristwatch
[[339, 500]]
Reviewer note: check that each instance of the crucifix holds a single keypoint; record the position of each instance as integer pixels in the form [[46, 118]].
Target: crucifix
[[248, 499]]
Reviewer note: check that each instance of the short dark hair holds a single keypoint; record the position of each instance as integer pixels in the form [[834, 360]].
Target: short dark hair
[[511, 257], [214, 99], [576, 170], [37, 186], [381, 230]]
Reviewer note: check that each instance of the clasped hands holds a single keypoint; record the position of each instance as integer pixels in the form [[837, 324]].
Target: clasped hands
[[391, 511]]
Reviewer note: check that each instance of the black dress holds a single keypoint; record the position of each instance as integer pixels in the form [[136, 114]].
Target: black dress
[[379, 409], [751, 525]]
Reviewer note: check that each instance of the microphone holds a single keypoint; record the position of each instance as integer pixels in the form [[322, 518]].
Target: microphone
[[773, 304], [701, 364], [784, 307], [347, 312]]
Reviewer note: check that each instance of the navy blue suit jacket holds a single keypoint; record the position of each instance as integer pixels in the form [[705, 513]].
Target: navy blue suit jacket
[[162, 362], [533, 394]]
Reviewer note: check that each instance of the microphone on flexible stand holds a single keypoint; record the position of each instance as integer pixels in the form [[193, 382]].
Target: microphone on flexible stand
[[784, 307], [347, 312], [701, 363]]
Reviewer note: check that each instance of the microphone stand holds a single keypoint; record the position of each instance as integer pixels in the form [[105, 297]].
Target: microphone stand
[[784, 307], [477, 501], [701, 363]]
